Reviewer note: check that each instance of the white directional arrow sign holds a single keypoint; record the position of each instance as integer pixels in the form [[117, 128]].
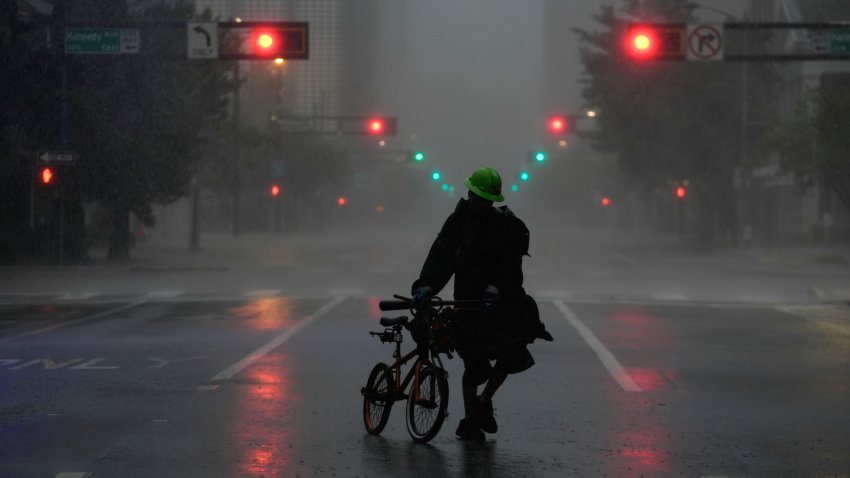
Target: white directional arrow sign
[[202, 40]]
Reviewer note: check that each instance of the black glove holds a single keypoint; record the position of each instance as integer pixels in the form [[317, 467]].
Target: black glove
[[421, 296]]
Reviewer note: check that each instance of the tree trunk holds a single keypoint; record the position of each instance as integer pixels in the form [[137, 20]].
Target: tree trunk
[[119, 240]]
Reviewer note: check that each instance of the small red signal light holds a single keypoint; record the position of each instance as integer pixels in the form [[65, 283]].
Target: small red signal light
[[342, 201], [557, 124], [606, 201], [47, 175], [275, 190], [681, 192], [376, 126]]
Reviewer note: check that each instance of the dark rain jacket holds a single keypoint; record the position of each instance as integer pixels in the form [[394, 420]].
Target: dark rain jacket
[[478, 251]]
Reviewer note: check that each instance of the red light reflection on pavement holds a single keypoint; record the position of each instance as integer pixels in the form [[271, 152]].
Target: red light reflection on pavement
[[640, 440], [374, 310], [640, 451], [648, 379], [267, 313], [261, 428]]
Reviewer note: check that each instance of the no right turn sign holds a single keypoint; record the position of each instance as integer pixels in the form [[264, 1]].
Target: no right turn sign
[[704, 42]]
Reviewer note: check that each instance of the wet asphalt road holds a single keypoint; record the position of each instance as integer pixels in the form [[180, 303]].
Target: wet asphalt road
[[145, 380]]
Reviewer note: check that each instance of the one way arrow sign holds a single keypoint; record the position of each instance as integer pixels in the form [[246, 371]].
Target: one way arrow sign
[[202, 40]]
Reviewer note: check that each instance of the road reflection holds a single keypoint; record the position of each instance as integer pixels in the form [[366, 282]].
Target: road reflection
[[640, 443], [261, 427], [267, 313]]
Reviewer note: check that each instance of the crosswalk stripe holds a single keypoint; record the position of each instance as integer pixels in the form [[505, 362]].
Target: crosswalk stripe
[[671, 296], [163, 294], [263, 293], [78, 296]]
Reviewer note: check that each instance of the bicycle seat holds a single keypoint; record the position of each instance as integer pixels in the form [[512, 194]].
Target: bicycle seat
[[391, 321]]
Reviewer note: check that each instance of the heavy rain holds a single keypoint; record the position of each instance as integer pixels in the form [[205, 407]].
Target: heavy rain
[[380, 238]]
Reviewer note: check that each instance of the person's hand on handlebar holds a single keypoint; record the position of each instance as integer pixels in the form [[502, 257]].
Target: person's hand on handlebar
[[421, 296]]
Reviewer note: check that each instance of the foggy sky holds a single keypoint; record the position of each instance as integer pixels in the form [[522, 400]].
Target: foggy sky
[[466, 78]]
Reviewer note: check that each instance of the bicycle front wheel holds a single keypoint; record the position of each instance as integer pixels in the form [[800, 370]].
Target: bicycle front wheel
[[378, 398], [426, 409]]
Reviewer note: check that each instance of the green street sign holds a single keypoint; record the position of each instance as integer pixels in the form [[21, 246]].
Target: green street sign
[[98, 41], [839, 41]]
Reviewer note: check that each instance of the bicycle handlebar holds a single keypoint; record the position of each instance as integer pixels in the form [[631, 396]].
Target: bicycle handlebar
[[405, 303]]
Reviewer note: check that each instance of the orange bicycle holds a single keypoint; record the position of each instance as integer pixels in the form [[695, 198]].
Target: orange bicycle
[[425, 386]]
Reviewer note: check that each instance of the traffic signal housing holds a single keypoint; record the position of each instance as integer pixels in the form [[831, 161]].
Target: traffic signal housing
[[380, 126], [264, 40], [658, 41]]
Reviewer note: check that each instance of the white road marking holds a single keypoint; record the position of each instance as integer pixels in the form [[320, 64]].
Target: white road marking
[[819, 292], [348, 292], [163, 294], [78, 296], [605, 356], [73, 474], [670, 296], [72, 322], [552, 294], [161, 362], [263, 293], [206, 388], [229, 372], [633, 262]]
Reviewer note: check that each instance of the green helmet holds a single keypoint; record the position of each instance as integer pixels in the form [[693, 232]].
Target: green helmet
[[487, 183]]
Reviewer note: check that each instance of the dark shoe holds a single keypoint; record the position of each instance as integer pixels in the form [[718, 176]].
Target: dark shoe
[[486, 420], [467, 429]]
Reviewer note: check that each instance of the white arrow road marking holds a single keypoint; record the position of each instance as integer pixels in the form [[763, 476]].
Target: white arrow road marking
[[608, 360], [163, 362], [229, 372]]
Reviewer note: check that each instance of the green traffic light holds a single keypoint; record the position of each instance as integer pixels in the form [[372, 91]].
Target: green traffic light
[[540, 156], [436, 175], [524, 175], [419, 156], [514, 188]]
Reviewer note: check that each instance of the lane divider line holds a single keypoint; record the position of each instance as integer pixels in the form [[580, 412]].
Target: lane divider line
[[256, 355], [74, 474], [605, 356], [75, 321]]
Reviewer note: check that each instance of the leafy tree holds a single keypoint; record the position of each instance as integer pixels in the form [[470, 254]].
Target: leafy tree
[[813, 144], [137, 121], [666, 120]]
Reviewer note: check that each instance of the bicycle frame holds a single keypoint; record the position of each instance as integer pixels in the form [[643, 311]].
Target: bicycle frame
[[413, 372]]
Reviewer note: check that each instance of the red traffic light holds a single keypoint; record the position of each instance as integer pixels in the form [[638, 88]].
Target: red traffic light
[[376, 126], [266, 42], [47, 175], [606, 201], [342, 201], [275, 190], [558, 124], [681, 192], [653, 42], [641, 42]]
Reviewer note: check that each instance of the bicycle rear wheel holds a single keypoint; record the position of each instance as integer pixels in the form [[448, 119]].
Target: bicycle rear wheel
[[378, 398], [427, 409]]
